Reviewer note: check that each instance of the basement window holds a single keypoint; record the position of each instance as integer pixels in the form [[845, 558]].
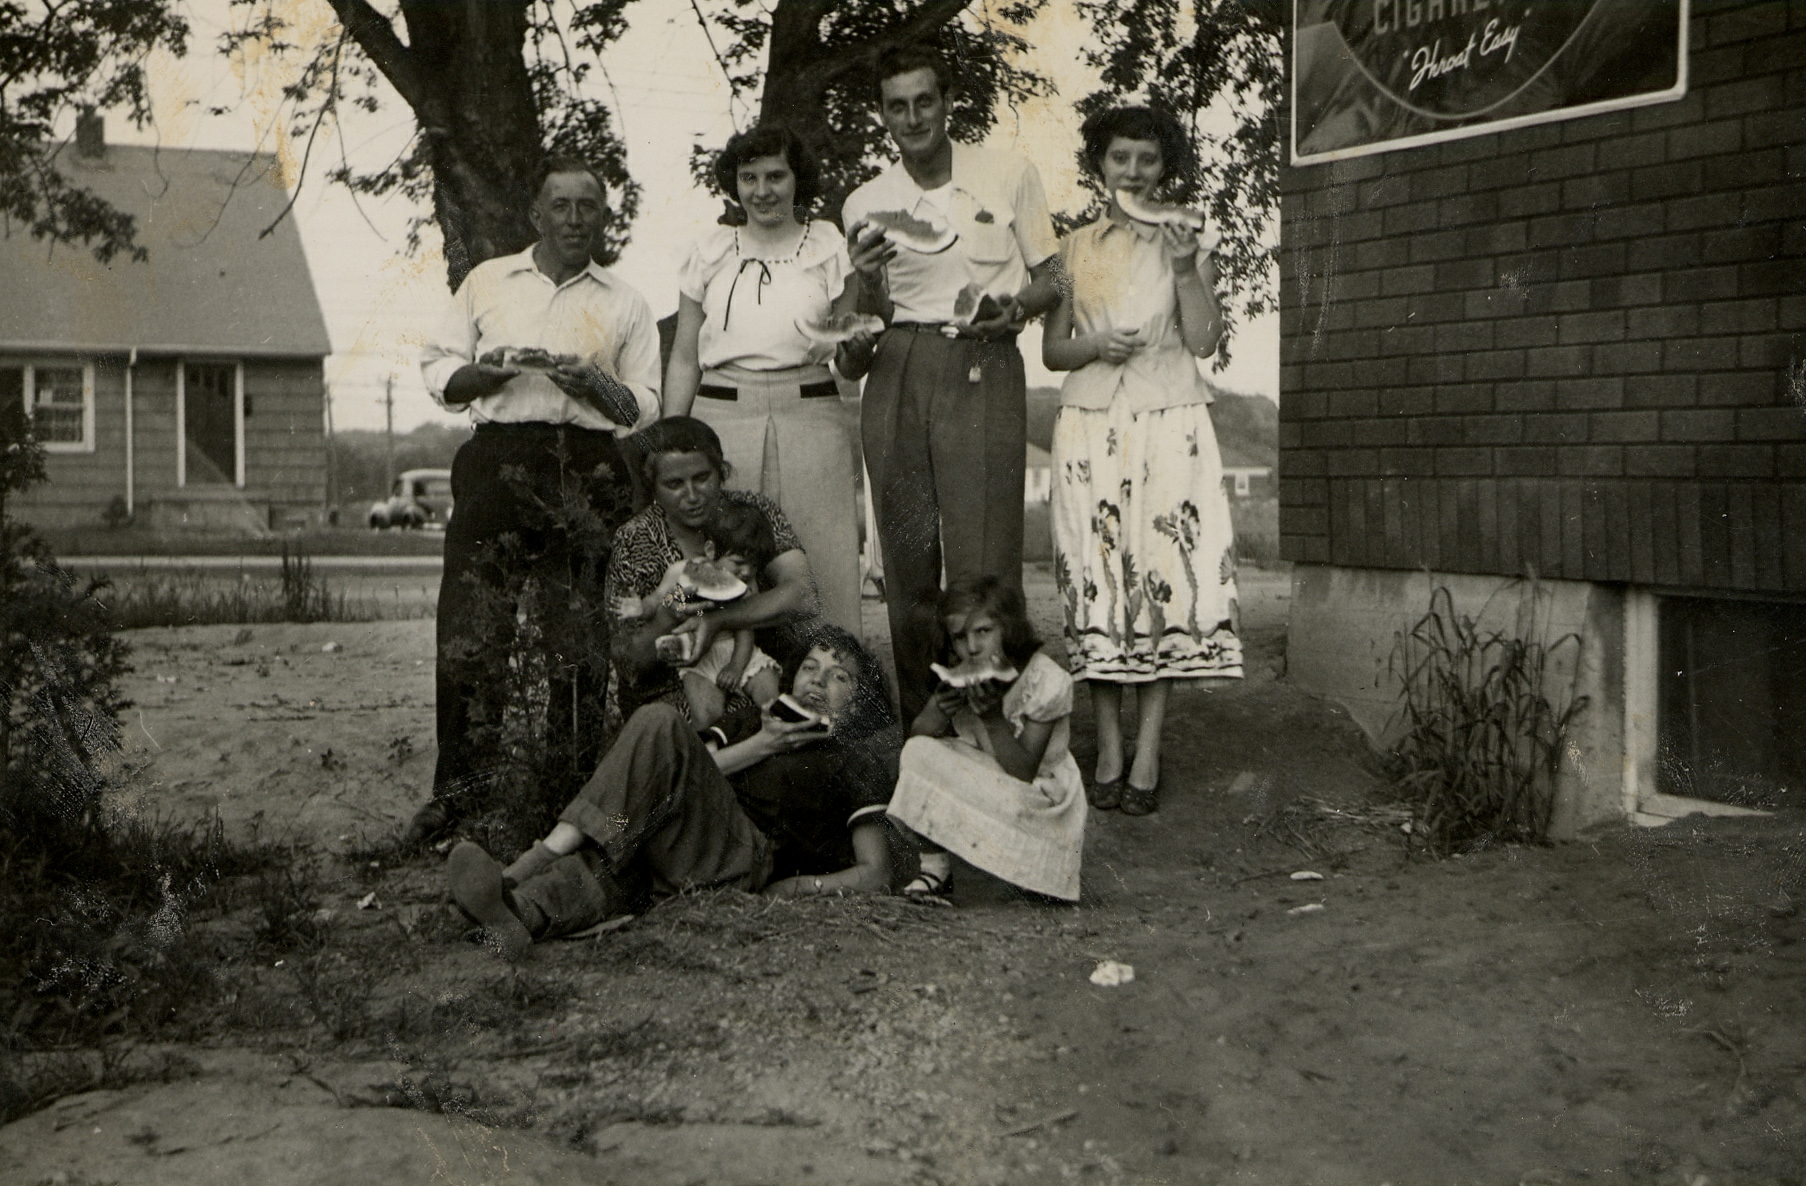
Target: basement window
[[1731, 707]]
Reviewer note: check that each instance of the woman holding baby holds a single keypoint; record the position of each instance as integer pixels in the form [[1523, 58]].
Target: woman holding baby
[[693, 517], [752, 353]]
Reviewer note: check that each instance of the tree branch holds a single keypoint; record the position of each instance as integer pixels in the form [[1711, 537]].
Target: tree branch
[[376, 37], [811, 83]]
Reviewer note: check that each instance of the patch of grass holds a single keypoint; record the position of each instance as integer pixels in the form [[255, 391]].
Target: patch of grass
[[299, 594], [1483, 739]]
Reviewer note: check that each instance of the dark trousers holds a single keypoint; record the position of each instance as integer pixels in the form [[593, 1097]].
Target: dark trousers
[[535, 507], [657, 808], [944, 427]]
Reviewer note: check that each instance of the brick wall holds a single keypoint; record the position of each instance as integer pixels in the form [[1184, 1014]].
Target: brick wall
[[1564, 348]]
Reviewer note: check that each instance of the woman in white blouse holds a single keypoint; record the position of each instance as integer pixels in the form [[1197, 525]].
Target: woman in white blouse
[[1144, 552], [742, 363]]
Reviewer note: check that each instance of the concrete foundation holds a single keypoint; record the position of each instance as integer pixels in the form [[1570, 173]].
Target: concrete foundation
[[1347, 622]]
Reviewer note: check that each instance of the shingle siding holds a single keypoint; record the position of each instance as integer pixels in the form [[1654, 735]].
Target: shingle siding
[[1565, 348]]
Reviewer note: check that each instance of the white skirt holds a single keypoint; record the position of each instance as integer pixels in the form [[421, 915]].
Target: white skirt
[[1144, 551], [1030, 834]]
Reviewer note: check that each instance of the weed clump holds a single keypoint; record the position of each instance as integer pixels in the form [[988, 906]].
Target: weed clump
[[1483, 739]]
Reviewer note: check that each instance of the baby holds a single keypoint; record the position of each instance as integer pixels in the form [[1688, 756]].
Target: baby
[[741, 542]]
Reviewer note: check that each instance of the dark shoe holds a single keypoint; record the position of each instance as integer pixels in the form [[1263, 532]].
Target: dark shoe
[[427, 824], [1105, 796], [1140, 800], [929, 889], [476, 882]]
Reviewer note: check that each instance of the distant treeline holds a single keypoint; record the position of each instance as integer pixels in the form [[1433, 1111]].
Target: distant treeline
[[359, 460]]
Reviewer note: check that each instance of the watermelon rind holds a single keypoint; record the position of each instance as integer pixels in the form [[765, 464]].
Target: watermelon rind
[[837, 328], [1154, 214], [920, 235], [710, 581], [970, 674]]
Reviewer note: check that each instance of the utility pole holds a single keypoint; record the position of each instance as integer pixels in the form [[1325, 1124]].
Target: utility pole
[[332, 468], [389, 437]]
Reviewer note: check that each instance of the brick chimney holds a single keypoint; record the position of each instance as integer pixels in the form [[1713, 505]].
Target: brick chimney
[[90, 135]]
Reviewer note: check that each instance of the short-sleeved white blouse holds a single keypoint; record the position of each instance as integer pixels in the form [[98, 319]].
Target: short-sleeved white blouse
[[751, 304]]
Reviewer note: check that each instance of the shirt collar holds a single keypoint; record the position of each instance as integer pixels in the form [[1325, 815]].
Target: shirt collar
[[1141, 230], [524, 263]]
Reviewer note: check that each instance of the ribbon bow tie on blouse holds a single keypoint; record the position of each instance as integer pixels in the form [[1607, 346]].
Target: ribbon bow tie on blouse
[[764, 279]]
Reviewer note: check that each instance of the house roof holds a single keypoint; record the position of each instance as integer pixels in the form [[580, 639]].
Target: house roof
[[211, 284]]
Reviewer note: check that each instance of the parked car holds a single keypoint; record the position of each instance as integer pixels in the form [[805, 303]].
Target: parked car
[[419, 498]]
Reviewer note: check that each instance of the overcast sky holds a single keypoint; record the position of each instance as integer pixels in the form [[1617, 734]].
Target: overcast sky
[[667, 93]]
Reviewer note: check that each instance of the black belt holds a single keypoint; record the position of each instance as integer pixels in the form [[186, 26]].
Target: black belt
[[941, 328], [821, 390], [534, 427]]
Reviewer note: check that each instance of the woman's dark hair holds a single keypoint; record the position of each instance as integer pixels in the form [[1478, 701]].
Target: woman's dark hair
[[768, 140], [870, 710], [557, 163], [1003, 601], [676, 434], [1178, 160], [742, 531], [907, 59]]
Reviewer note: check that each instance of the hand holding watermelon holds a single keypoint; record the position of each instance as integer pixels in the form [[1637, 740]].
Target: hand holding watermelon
[[588, 383]]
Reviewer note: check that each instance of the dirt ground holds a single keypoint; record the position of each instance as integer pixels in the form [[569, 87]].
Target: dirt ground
[[1626, 1009]]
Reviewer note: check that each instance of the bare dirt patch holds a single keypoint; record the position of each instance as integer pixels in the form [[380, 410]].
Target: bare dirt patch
[[1623, 1009]]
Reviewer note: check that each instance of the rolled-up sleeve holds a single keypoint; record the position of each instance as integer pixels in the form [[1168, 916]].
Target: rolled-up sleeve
[[450, 344], [636, 363], [1034, 225]]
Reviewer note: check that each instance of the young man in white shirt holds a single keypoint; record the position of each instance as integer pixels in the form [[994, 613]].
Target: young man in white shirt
[[547, 424], [944, 414]]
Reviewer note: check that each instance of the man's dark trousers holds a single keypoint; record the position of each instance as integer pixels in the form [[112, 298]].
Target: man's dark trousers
[[535, 502], [944, 424]]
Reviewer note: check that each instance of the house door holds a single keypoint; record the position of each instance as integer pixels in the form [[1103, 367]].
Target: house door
[[210, 423]]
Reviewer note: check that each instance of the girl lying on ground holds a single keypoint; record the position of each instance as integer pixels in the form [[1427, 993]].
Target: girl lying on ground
[[986, 772], [783, 807]]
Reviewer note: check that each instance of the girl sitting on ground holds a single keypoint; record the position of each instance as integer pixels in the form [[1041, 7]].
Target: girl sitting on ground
[[986, 772], [739, 540]]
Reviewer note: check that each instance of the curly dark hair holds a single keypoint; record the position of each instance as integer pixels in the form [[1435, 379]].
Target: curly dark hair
[[997, 597], [675, 434], [870, 711], [907, 59], [742, 531], [1179, 161], [774, 139]]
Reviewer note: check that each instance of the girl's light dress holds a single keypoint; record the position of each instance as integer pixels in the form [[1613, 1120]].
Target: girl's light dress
[[952, 791], [1144, 551]]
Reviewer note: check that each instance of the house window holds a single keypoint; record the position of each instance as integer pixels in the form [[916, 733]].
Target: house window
[[1732, 701], [210, 405], [60, 399]]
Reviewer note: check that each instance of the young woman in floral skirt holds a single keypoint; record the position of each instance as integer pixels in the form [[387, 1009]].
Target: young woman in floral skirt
[[1144, 553]]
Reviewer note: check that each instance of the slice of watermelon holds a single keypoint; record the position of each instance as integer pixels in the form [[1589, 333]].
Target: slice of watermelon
[[836, 328], [924, 236], [974, 672], [974, 304], [1155, 214], [710, 581]]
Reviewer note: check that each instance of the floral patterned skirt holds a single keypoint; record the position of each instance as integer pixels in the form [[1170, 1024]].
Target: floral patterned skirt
[[1144, 552]]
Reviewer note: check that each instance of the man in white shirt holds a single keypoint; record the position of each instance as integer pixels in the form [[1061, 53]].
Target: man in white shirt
[[945, 407], [555, 358]]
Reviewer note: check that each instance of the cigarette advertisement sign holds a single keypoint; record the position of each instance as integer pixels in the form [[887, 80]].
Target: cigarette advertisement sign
[[1374, 75]]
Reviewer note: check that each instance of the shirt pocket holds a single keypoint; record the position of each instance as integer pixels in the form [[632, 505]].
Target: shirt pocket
[[990, 236]]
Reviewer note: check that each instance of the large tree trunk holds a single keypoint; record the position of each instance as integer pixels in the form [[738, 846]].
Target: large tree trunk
[[464, 73]]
